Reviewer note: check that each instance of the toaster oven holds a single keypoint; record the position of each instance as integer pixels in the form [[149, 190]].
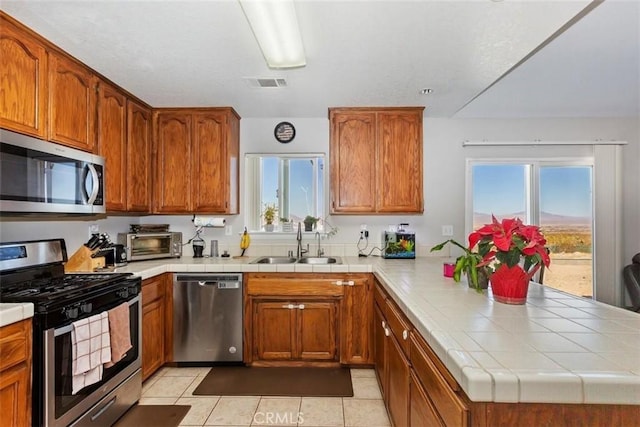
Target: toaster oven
[[146, 246]]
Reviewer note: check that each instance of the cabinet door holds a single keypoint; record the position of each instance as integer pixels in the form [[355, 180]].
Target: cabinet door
[[72, 103], [173, 163], [153, 325], [316, 330], [357, 324], [380, 338], [421, 410], [274, 334], [15, 395], [210, 166], [352, 150], [138, 158], [23, 81], [399, 168], [112, 144], [397, 398]]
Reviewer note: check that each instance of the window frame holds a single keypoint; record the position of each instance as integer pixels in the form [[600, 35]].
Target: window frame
[[253, 196]]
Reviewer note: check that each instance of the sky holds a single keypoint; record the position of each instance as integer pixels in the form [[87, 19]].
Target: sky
[[500, 189]]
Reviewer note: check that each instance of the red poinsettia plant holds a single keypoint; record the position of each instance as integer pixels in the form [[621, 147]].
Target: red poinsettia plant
[[513, 250]]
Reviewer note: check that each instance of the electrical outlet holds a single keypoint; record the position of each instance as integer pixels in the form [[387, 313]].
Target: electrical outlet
[[228, 230], [447, 230], [363, 227], [93, 229]]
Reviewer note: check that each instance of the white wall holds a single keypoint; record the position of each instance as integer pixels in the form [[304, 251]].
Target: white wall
[[444, 178]]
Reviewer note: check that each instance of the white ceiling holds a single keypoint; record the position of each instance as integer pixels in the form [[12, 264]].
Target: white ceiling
[[363, 53]]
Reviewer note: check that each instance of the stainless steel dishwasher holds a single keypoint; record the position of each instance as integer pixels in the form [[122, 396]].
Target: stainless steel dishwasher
[[207, 317]]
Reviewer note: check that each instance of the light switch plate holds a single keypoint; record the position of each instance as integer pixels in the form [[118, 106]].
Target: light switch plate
[[228, 230], [447, 230]]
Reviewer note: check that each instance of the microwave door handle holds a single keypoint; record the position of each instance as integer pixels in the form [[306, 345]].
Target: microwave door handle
[[94, 191]]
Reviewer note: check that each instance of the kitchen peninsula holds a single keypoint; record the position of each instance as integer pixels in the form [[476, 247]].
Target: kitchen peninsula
[[558, 357]]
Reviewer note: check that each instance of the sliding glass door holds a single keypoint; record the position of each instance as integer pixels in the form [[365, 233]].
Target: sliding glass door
[[557, 196]]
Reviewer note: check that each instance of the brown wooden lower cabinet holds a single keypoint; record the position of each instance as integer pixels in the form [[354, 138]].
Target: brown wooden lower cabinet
[[154, 321], [432, 397], [308, 318], [287, 329], [15, 374], [421, 411], [397, 398]]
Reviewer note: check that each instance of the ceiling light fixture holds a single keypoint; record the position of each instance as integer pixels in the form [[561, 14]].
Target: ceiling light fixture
[[275, 26]]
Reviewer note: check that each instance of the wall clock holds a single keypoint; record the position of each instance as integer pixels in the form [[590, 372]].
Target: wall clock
[[284, 132]]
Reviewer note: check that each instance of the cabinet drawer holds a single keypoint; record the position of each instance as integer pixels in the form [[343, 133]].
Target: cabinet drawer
[[15, 340], [400, 326], [299, 285], [152, 289], [450, 406]]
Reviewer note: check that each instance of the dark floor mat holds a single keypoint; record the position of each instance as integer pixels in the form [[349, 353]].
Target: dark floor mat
[[153, 416], [247, 381]]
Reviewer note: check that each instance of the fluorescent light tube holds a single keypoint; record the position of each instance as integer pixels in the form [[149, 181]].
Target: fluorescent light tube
[[275, 26]]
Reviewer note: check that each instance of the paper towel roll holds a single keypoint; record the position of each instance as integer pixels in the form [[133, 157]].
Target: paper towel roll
[[209, 221]]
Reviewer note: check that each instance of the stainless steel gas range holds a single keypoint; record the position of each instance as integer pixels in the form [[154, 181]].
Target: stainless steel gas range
[[33, 271]]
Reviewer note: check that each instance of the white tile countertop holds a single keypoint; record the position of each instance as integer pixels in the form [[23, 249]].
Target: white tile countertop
[[14, 312], [556, 348]]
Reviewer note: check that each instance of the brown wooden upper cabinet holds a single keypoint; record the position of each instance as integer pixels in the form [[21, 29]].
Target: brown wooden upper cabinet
[[138, 175], [23, 80], [376, 160], [112, 144], [124, 140], [72, 103], [197, 155]]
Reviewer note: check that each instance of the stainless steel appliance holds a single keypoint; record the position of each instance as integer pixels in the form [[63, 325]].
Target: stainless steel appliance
[[207, 317], [37, 176], [145, 246], [33, 271]]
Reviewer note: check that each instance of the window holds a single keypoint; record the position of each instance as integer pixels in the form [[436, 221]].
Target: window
[[557, 196], [293, 183]]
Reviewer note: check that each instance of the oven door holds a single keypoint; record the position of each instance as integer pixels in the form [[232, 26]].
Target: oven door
[[149, 246], [61, 407]]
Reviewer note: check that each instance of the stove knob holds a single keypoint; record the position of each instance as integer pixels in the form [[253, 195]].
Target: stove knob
[[71, 313], [123, 293], [86, 307]]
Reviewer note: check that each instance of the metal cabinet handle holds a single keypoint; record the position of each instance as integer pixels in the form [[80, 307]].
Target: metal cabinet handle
[[387, 332], [384, 325], [405, 334], [301, 306], [350, 283], [338, 283], [289, 306]]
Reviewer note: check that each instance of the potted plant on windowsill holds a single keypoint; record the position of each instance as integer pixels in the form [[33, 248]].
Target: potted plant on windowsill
[[287, 226], [467, 263], [309, 222], [269, 214]]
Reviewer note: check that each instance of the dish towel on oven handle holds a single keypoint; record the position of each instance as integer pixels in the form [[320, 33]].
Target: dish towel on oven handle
[[90, 348], [119, 331]]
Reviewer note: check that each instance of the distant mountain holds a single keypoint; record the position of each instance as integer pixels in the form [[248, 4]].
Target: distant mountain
[[546, 218]]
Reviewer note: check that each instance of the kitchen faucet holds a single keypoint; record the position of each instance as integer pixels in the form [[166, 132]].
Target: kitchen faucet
[[320, 251], [299, 239]]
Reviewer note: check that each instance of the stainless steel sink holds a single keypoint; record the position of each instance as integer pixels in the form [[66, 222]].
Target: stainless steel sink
[[274, 260], [320, 260], [291, 260]]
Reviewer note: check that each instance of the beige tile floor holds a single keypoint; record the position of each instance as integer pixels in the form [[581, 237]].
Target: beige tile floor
[[174, 386]]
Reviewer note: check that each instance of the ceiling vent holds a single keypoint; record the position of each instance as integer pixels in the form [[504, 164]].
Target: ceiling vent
[[267, 82]]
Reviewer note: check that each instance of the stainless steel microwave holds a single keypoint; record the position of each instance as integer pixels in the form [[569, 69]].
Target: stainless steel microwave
[[144, 246], [38, 176]]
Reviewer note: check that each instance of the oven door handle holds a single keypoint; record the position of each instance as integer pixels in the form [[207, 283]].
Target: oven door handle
[[69, 328]]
